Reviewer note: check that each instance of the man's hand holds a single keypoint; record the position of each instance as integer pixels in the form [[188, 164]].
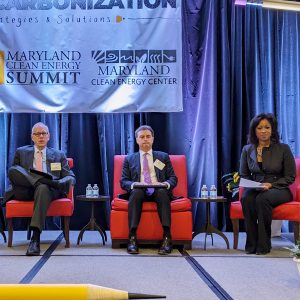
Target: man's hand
[[164, 184], [135, 184], [266, 185]]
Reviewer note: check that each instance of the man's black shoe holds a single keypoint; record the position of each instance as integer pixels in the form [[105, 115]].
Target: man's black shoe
[[166, 246], [33, 248], [132, 247], [250, 251]]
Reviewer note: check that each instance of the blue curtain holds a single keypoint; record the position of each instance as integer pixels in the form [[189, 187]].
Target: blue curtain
[[237, 62]]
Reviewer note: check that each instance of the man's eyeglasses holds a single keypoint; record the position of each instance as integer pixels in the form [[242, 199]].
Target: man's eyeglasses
[[40, 133]]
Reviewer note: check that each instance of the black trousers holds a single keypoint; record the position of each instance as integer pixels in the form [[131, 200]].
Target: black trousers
[[136, 199], [257, 208], [26, 187]]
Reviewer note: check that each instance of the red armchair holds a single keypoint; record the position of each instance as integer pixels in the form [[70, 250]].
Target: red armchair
[[150, 229], [287, 211], [63, 207]]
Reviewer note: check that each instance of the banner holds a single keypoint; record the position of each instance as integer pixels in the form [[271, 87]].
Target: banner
[[90, 56]]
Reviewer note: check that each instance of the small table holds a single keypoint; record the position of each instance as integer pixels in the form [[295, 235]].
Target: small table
[[2, 220], [208, 228], [92, 225]]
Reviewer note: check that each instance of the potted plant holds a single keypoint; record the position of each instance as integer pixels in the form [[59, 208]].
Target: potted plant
[[230, 182], [295, 252]]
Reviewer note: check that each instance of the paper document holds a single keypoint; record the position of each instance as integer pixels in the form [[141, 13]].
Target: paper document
[[149, 185], [250, 184], [46, 175]]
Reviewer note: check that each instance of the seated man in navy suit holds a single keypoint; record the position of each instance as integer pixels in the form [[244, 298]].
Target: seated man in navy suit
[[27, 185], [148, 167]]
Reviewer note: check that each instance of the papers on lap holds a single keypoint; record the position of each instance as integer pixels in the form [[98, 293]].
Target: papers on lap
[[250, 184], [150, 185], [46, 175]]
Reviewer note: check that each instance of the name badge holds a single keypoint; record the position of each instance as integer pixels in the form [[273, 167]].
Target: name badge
[[55, 166], [158, 164]]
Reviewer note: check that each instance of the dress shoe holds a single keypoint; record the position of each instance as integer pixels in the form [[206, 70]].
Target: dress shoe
[[132, 247], [65, 186], [166, 246], [33, 248], [251, 252], [62, 185], [262, 252]]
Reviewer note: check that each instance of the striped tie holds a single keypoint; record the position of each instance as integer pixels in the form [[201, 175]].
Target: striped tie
[[39, 161]]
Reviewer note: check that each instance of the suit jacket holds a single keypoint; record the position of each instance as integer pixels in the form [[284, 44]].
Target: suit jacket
[[131, 171], [24, 158], [278, 166]]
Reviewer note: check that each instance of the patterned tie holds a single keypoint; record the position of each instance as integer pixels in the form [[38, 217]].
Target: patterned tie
[[39, 161], [146, 173]]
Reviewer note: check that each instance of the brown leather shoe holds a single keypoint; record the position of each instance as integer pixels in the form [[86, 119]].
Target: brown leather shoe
[[166, 246], [132, 247]]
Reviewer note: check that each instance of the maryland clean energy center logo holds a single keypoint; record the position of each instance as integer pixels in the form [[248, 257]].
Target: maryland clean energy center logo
[[134, 56], [135, 67], [1, 67]]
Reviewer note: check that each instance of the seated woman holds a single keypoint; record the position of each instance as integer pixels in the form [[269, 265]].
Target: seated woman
[[270, 162]]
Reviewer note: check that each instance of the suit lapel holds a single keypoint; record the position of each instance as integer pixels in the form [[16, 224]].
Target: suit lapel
[[137, 164], [157, 171], [30, 158], [253, 154], [254, 159], [49, 158]]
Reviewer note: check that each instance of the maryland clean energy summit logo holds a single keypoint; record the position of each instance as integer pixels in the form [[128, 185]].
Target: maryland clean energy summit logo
[[40, 67]]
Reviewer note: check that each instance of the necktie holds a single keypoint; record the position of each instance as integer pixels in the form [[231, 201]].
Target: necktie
[[146, 173], [39, 161]]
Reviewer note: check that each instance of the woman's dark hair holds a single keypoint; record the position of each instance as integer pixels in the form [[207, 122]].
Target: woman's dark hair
[[252, 138]]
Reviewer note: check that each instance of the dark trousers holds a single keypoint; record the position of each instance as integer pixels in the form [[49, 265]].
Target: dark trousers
[[257, 209], [136, 199], [26, 187]]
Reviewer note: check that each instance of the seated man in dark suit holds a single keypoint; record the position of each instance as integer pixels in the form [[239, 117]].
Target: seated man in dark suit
[[148, 167], [27, 185]]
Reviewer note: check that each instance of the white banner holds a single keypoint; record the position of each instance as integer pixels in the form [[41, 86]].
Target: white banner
[[90, 56]]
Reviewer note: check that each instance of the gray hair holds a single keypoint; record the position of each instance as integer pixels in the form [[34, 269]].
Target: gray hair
[[39, 124]]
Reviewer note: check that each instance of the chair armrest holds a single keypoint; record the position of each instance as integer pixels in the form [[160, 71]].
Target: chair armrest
[[241, 189], [297, 194], [71, 192]]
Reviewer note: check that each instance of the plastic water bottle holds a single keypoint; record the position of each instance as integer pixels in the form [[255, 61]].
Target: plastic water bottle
[[204, 192], [89, 191], [95, 191], [213, 192]]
